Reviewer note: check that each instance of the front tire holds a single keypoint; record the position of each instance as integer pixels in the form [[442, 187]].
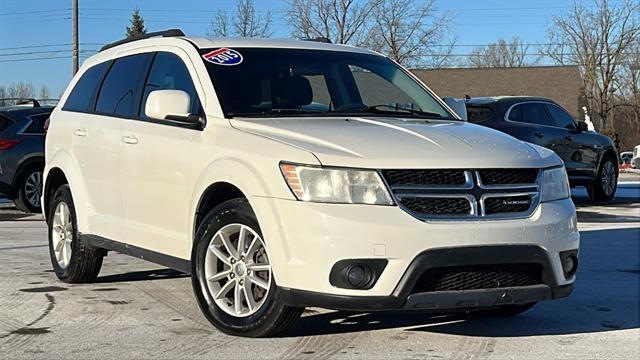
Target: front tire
[[231, 274], [606, 182], [73, 262]]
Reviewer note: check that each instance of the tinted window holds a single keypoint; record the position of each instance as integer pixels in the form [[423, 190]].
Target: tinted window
[[282, 82], [37, 124], [5, 122], [169, 72], [535, 113], [560, 117], [120, 90], [516, 113], [83, 93], [479, 113]]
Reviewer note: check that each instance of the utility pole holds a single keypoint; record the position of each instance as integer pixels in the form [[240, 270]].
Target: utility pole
[[75, 36]]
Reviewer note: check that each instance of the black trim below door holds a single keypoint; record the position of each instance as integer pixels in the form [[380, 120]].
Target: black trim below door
[[175, 263]]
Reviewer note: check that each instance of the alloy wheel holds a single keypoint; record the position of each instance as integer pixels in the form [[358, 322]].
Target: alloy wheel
[[237, 270], [608, 178], [33, 188], [62, 234]]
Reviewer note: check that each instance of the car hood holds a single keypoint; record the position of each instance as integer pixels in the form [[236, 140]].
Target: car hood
[[379, 143]]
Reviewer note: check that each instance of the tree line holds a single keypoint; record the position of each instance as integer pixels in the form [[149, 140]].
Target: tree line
[[23, 90]]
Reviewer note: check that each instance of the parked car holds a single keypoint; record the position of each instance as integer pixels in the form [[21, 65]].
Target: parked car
[[591, 158], [626, 157], [22, 152], [204, 156]]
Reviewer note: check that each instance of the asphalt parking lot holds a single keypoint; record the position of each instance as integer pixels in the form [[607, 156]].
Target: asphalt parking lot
[[140, 310]]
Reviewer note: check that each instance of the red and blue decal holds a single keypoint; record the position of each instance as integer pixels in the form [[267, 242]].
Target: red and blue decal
[[223, 56]]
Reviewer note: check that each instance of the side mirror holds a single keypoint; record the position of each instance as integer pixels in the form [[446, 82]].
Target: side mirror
[[582, 126], [457, 105], [172, 105]]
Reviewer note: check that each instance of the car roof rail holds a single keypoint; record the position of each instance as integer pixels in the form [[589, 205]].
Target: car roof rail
[[21, 101], [164, 33], [320, 39]]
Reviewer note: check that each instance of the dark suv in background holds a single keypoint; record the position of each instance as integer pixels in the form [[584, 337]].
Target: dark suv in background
[[22, 151], [591, 159]]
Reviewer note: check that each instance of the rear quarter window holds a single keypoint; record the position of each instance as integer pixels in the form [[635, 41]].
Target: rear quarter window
[[477, 114], [83, 93], [5, 122]]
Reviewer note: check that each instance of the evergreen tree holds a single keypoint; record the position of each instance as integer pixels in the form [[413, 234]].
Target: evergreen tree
[[137, 24]]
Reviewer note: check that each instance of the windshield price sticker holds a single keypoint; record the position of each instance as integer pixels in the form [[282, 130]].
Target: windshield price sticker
[[223, 56]]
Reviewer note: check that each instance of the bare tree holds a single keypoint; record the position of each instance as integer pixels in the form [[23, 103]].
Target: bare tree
[[246, 22], [409, 32], [596, 38], [44, 92], [20, 89], [502, 53], [341, 21]]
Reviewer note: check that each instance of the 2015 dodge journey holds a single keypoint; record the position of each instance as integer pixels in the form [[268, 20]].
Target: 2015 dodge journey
[[284, 174]]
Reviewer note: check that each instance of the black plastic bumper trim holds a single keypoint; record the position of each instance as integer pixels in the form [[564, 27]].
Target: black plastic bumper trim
[[402, 298]]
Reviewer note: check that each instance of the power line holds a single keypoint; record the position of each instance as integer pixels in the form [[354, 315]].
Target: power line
[[34, 12]]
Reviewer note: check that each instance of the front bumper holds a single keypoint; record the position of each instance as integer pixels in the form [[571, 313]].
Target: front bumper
[[404, 297], [305, 240]]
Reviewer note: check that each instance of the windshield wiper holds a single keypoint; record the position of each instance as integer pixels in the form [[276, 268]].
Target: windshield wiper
[[376, 109]]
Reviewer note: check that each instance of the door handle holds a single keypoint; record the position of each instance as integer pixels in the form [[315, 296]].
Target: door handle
[[130, 139], [80, 132], [539, 134]]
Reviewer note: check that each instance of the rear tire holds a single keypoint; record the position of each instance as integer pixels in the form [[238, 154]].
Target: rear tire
[[606, 182], [30, 190], [73, 261], [226, 271]]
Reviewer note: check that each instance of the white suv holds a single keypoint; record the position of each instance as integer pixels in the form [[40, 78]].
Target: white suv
[[282, 174]]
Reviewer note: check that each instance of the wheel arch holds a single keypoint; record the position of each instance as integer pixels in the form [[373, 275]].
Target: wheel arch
[[62, 167]]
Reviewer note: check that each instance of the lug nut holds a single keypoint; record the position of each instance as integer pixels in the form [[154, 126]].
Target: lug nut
[[241, 282], [232, 275], [242, 258], [233, 261]]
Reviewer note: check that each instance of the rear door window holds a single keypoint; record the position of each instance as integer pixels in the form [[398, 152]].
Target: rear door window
[[83, 93], [121, 89], [535, 113], [37, 124]]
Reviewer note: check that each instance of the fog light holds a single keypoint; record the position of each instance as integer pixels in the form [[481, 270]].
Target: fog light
[[358, 276], [569, 260]]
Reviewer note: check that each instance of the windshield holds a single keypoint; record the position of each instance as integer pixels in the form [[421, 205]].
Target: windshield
[[259, 82]]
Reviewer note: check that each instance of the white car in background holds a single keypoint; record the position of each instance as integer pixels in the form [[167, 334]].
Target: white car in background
[[215, 158]]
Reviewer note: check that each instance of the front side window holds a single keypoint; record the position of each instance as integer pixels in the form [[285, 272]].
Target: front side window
[[168, 72], [300, 82], [560, 117], [83, 93], [535, 113], [120, 90]]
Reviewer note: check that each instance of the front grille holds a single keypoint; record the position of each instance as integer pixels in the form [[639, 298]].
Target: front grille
[[507, 204], [424, 177], [476, 277], [508, 176], [465, 193], [437, 206]]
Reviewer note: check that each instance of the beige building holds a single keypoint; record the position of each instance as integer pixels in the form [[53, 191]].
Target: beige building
[[559, 83]]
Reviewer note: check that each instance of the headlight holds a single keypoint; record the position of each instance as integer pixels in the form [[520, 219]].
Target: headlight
[[555, 184], [335, 185]]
